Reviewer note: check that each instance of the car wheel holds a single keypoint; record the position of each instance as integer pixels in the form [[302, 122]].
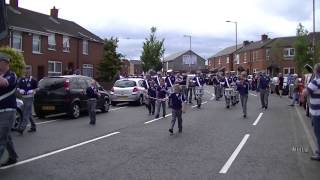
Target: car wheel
[[74, 111], [113, 103], [18, 119], [106, 106], [40, 114]]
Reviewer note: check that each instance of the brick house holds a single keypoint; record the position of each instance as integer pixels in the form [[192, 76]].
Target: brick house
[[135, 67], [252, 56], [223, 60], [182, 62], [125, 68], [51, 45]]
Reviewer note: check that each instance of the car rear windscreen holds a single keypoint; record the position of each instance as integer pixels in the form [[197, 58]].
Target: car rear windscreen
[[124, 84], [52, 83]]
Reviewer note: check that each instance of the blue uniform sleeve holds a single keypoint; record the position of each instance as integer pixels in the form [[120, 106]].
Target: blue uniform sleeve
[[12, 80]]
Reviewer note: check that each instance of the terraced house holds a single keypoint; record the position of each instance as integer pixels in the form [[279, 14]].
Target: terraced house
[[51, 45], [269, 55]]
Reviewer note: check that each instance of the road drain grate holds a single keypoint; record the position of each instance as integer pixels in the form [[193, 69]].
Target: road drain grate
[[300, 149]]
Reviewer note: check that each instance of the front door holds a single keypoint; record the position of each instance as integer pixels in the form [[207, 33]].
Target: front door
[[40, 72]]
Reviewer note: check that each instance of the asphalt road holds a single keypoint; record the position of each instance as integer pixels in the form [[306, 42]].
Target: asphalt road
[[127, 143]]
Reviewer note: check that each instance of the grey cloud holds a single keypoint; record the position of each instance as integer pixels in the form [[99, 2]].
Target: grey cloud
[[292, 10]]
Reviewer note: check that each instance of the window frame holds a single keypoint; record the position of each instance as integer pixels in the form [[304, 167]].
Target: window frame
[[228, 60], [36, 40], [66, 39], [87, 67], [55, 72], [52, 46], [16, 34], [267, 54], [85, 47], [287, 52]]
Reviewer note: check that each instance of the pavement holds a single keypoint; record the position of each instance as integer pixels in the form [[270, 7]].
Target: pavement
[[216, 143]]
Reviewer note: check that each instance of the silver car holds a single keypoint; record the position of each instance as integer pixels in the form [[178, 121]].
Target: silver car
[[128, 90]]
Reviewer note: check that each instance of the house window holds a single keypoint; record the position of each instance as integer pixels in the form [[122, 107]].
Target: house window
[[17, 41], [219, 61], [237, 59], [245, 58], [87, 70], [28, 68], [36, 43], [288, 52], [66, 44], [227, 60], [85, 47], [52, 42], [254, 70], [267, 54], [288, 70], [54, 68]]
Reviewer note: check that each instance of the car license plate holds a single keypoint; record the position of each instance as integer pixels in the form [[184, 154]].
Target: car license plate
[[48, 108], [123, 98]]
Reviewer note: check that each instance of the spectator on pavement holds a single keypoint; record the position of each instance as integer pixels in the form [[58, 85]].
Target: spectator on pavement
[[281, 79], [313, 90], [295, 90]]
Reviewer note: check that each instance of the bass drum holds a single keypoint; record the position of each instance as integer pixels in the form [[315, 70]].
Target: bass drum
[[5, 157]]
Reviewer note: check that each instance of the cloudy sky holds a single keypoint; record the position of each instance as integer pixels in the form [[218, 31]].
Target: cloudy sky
[[204, 20]]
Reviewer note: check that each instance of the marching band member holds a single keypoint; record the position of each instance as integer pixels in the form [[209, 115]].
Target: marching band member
[[161, 98], [152, 92], [227, 84], [170, 79], [92, 94], [243, 88], [26, 87], [198, 80], [178, 101]]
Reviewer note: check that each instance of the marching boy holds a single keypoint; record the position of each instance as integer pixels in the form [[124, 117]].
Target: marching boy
[[178, 103]]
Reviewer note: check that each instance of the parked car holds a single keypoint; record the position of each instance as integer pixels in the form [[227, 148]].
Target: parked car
[[66, 94], [128, 90]]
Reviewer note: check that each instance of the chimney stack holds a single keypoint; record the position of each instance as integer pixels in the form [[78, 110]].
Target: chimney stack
[[14, 3], [54, 12], [245, 43], [264, 37]]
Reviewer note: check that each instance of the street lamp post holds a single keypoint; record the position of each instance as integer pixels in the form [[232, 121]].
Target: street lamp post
[[314, 33], [189, 36], [236, 24]]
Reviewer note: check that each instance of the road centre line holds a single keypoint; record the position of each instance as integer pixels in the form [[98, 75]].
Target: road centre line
[[45, 122], [257, 120], [234, 155], [59, 151], [157, 119], [114, 109]]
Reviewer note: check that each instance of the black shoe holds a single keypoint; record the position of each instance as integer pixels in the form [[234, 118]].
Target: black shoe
[[244, 116], [157, 116], [171, 131], [228, 106], [32, 130], [180, 130], [291, 105], [92, 123], [9, 162], [20, 131], [266, 107], [315, 157], [164, 116]]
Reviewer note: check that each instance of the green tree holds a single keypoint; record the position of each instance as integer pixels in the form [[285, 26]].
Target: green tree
[[153, 50], [111, 63], [302, 54], [17, 63]]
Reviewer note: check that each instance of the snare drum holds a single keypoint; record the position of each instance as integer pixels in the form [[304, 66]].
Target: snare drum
[[199, 91], [228, 92]]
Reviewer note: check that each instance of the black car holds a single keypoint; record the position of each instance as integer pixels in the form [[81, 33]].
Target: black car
[[66, 94]]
